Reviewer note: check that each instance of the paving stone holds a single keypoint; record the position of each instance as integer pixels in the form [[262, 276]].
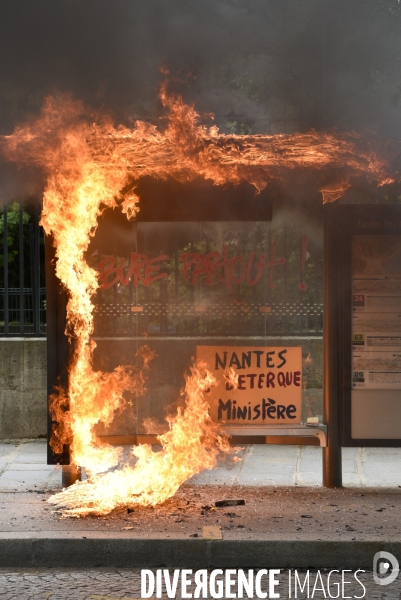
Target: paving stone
[[349, 466], [9, 450], [31, 458], [22, 480], [15, 466], [351, 480], [309, 478], [35, 446]]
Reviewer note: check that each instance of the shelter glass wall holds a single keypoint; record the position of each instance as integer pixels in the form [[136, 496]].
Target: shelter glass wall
[[176, 286]]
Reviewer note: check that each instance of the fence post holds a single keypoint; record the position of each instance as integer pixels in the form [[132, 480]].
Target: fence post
[[21, 269], [5, 258], [37, 267], [34, 256]]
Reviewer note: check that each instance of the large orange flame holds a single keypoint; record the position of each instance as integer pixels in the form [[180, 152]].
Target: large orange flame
[[87, 161], [192, 444]]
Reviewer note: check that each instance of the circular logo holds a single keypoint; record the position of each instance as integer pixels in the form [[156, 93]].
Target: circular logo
[[385, 568]]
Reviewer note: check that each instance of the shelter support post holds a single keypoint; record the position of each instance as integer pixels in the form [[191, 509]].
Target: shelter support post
[[70, 474], [57, 344], [332, 322]]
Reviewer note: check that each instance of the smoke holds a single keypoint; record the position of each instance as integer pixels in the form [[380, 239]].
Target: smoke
[[17, 184], [260, 65]]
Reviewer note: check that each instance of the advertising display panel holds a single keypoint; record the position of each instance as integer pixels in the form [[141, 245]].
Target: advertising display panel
[[376, 305], [369, 291]]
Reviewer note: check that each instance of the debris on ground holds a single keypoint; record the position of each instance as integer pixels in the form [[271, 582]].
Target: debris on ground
[[220, 503]]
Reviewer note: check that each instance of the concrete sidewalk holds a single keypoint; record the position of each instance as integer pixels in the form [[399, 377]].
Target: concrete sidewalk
[[23, 467], [287, 519]]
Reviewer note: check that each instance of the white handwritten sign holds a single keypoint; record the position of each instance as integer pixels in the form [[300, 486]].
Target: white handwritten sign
[[269, 386]]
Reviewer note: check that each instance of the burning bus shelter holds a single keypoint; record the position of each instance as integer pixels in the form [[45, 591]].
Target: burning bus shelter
[[203, 277], [203, 274], [207, 273]]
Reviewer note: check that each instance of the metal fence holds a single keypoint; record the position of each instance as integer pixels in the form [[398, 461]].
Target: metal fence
[[22, 272]]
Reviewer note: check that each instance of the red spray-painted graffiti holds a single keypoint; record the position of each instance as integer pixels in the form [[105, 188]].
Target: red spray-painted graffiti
[[141, 269], [218, 266], [210, 268]]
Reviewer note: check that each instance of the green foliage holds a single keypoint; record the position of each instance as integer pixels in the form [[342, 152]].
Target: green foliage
[[13, 218], [238, 128]]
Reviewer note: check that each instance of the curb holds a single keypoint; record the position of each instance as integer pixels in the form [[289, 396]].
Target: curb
[[195, 554]]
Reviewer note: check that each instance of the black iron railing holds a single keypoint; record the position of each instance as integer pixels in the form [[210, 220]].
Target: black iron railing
[[22, 282], [17, 313]]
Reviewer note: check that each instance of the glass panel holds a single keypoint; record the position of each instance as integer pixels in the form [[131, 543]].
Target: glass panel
[[175, 286]]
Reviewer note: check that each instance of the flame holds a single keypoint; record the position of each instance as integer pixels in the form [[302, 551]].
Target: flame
[[154, 426], [335, 190], [87, 161], [75, 419], [193, 443], [231, 378]]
